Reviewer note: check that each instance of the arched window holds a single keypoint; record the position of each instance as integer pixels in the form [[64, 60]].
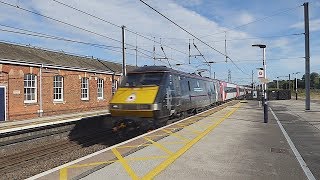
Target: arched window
[[30, 88], [58, 88]]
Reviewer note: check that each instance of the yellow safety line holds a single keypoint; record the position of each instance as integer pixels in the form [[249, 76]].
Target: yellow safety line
[[190, 129], [64, 173], [159, 145], [146, 158], [199, 125], [133, 146], [124, 164], [176, 155], [174, 128], [91, 164], [186, 133], [186, 123], [157, 135], [176, 135], [205, 124]]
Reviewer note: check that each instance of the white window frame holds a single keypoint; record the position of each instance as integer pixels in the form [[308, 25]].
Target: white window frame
[[84, 81], [100, 86], [27, 87], [55, 87]]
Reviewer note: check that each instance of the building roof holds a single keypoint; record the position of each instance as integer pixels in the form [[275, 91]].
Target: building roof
[[47, 57]]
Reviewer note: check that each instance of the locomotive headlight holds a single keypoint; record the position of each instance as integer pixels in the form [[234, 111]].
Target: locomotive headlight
[[115, 106], [156, 106]]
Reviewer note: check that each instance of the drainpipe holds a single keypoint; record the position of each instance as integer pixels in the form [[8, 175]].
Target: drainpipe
[[40, 92]]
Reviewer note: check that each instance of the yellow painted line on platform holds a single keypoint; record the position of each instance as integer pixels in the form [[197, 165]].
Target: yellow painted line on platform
[[92, 164], [173, 129], [190, 129], [176, 155], [159, 145], [205, 124], [202, 125], [146, 158], [64, 174], [157, 135], [186, 123], [176, 135], [133, 146], [186, 133], [124, 163]]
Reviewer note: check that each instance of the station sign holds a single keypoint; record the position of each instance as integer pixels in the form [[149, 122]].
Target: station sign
[[260, 73]]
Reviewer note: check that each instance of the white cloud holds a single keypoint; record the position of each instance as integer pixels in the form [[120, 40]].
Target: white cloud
[[244, 18], [138, 17], [282, 42], [314, 25], [190, 3]]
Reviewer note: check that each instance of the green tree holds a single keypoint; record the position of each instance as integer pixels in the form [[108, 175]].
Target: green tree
[[314, 82]]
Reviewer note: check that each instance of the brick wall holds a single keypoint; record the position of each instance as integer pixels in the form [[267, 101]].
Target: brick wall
[[4, 83], [18, 110]]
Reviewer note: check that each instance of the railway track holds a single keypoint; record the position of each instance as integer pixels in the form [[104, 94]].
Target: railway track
[[26, 163], [12, 164]]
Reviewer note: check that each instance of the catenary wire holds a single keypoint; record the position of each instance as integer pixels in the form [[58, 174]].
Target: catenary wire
[[257, 20], [36, 13], [193, 36], [60, 38], [106, 21], [63, 39], [62, 22]]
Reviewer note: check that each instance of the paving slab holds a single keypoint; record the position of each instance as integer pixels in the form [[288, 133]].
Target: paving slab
[[303, 127], [242, 147], [232, 143]]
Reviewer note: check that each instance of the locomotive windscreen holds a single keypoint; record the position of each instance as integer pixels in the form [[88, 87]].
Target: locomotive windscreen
[[142, 79]]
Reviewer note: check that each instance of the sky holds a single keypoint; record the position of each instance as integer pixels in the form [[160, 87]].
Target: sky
[[96, 32]]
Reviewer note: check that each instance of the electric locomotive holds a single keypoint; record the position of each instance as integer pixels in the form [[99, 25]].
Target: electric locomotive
[[149, 96]]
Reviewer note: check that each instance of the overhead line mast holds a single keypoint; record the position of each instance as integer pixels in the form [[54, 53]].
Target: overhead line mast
[[191, 34], [74, 26], [106, 21]]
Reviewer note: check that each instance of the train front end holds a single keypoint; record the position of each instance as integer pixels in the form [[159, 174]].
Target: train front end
[[136, 102]]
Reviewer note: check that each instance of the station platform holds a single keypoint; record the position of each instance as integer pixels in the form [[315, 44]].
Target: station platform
[[10, 126], [230, 142]]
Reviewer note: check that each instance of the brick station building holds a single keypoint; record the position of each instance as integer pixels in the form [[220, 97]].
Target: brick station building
[[35, 82]]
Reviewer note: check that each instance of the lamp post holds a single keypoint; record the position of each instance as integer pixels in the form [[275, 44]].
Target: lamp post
[[296, 84], [264, 89]]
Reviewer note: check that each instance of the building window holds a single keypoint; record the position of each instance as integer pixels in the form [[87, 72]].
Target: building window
[[84, 89], [100, 88], [58, 88], [30, 88]]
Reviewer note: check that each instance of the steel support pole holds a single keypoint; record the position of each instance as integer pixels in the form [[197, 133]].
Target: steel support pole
[[307, 54], [289, 84], [265, 103], [210, 71], [124, 70], [296, 87]]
